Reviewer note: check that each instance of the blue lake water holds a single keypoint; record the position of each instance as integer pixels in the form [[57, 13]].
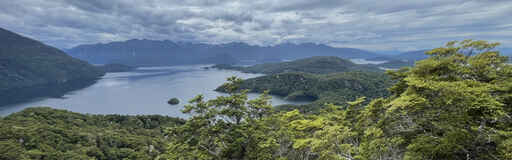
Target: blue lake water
[[143, 91]]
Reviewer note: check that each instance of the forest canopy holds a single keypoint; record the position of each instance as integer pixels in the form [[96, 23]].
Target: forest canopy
[[454, 105]]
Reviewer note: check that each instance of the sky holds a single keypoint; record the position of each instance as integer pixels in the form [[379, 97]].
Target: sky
[[376, 25]]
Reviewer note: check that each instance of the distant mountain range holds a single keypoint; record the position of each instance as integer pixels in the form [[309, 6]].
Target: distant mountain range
[[29, 68], [153, 52]]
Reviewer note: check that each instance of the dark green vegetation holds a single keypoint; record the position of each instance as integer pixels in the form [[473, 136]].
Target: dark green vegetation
[[50, 134], [173, 101], [151, 52], [336, 88], [29, 67], [318, 65], [455, 105], [318, 79], [115, 68]]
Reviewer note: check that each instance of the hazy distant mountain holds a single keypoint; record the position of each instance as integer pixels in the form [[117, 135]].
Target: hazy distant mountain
[[153, 52], [29, 68]]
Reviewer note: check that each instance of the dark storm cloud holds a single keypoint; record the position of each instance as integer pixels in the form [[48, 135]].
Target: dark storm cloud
[[368, 24]]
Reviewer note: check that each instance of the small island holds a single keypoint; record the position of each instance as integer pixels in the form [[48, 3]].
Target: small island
[[173, 101]]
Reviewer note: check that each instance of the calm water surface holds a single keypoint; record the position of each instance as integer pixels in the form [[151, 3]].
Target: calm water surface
[[143, 91]]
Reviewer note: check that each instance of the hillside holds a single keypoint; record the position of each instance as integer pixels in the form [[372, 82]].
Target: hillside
[[45, 133], [336, 88], [317, 65], [28, 67], [152, 52]]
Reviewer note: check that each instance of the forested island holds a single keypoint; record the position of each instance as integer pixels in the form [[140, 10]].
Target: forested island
[[319, 79], [454, 105]]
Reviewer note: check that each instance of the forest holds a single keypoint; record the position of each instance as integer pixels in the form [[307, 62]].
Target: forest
[[454, 105], [334, 88]]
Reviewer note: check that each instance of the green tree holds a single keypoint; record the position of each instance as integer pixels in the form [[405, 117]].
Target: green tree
[[454, 105], [228, 127]]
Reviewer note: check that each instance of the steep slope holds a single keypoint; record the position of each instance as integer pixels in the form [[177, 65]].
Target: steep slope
[[317, 65], [27, 66], [153, 52]]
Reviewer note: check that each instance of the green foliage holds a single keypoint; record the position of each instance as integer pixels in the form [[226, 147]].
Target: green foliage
[[335, 88], [454, 105], [44, 133], [317, 65], [228, 127]]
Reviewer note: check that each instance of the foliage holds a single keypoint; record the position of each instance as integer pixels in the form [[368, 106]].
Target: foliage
[[457, 104], [335, 88], [228, 127], [44, 133], [454, 105]]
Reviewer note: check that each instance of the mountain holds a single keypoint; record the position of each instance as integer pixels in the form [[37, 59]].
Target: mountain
[[29, 68], [152, 52], [317, 65]]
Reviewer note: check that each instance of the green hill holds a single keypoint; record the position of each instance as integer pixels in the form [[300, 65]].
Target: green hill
[[28, 67], [318, 65], [336, 88], [45, 133]]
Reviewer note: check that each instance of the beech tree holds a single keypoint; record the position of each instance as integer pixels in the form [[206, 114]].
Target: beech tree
[[457, 104]]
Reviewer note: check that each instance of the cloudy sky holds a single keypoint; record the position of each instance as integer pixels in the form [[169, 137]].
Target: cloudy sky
[[378, 25]]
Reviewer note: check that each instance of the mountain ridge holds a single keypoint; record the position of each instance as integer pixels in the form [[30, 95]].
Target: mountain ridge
[[28, 67], [166, 52]]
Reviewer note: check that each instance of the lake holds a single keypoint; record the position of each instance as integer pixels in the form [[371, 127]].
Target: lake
[[143, 91]]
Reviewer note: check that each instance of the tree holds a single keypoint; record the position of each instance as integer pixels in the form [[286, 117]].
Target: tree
[[228, 127], [454, 105]]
